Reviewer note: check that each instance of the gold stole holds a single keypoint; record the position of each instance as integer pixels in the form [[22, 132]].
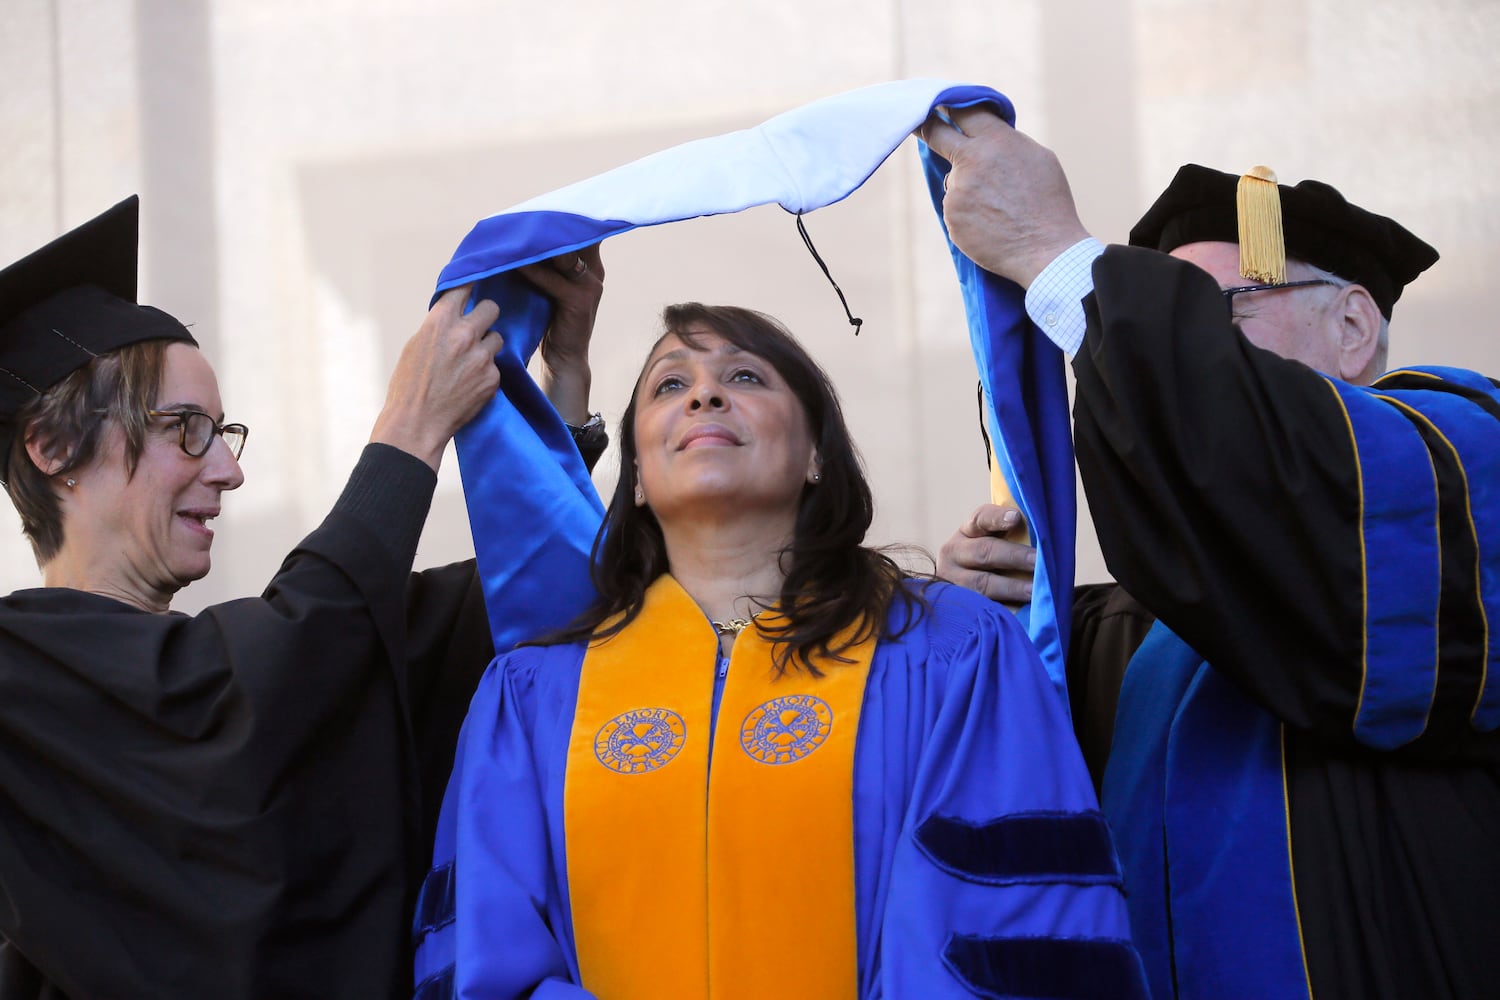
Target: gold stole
[[734, 881]]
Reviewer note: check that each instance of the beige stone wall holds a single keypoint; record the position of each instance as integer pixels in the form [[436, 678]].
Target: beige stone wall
[[306, 169]]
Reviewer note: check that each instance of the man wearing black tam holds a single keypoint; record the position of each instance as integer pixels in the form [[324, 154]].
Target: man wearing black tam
[[237, 804], [1304, 770]]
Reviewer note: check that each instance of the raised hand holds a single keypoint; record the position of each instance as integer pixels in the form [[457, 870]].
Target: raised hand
[[575, 283], [445, 374], [1008, 205]]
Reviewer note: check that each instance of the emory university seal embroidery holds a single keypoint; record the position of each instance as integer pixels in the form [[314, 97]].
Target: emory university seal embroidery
[[640, 740], [785, 730]]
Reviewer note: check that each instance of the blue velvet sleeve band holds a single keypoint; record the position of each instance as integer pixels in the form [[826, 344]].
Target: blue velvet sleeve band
[[1025, 847], [1057, 968]]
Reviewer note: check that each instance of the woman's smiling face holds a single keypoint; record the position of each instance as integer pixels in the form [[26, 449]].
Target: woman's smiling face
[[148, 531], [717, 424]]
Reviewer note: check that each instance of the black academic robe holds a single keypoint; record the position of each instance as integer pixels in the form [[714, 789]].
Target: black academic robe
[[1108, 626], [238, 803], [1226, 495]]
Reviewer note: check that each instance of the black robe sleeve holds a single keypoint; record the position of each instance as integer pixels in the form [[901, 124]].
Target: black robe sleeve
[[1108, 626], [448, 649], [1225, 484], [449, 645]]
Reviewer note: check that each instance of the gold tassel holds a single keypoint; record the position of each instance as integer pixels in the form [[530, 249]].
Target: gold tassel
[[1262, 248]]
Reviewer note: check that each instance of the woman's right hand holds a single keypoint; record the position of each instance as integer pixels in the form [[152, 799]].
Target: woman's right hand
[[575, 284], [445, 375]]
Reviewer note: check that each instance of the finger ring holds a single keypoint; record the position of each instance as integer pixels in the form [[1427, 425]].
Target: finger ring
[[579, 267], [945, 181]]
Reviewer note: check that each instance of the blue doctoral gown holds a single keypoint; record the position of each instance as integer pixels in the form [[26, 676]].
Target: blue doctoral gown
[[982, 865]]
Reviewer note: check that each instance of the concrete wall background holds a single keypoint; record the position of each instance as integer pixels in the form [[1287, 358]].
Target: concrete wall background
[[306, 169]]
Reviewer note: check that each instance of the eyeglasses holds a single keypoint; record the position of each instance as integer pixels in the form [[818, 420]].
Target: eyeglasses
[[1230, 293], [196, 431]]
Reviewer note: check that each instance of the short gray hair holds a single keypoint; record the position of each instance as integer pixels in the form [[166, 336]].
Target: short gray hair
[[1383, 342]]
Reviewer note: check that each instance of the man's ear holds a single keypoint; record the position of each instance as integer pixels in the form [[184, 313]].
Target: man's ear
[[44, 454], [1359, 334]]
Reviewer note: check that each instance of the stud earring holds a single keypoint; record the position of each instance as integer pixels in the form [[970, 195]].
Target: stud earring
[[817, 477], [72, 482]]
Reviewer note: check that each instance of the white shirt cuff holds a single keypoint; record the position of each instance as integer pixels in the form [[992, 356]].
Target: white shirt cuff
[[1055, 299]]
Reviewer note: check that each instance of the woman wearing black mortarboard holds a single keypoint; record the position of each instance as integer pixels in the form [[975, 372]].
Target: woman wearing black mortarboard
[[236, 803]]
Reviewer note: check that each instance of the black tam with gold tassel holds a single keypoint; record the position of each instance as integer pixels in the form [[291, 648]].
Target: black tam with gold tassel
[[1311, 222]]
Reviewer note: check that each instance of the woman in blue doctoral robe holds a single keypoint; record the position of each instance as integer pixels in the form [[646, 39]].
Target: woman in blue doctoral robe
[[950, 845]]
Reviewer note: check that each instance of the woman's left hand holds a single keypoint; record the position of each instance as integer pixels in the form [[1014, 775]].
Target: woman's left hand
[[575, 283]]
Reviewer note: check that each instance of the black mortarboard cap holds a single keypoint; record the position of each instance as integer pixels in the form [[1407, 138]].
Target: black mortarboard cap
[[69, 302], [1319, 227]]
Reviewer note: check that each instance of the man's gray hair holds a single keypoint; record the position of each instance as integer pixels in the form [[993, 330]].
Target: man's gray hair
[[1383, 343]]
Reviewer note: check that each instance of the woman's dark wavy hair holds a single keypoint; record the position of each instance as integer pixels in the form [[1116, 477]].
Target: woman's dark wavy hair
[[832, 579]]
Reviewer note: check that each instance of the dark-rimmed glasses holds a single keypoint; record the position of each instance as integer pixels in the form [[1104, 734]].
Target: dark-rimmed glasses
[[1230, 293], [196, 431]]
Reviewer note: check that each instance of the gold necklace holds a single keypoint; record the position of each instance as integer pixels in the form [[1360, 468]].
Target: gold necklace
[[734, 626]]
